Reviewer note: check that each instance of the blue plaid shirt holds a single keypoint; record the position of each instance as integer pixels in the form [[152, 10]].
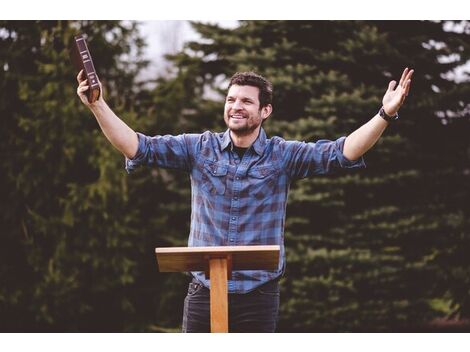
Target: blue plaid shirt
[[240, 201]]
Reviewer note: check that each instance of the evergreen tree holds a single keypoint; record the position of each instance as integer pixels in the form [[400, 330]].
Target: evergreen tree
[[376, 249], [76, 255]]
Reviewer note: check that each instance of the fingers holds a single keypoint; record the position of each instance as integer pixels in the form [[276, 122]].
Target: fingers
[[403, 76], [407, 87], [391, 86], [407, 82], [79, 77], [82, 88], [82, 83], [410, 74], [408, 77]]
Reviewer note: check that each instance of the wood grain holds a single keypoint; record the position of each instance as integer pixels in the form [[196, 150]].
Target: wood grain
[[219, 263], [176, 259], [219, 295]]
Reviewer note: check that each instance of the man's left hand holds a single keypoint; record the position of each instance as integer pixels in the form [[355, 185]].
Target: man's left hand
[[394, 98]]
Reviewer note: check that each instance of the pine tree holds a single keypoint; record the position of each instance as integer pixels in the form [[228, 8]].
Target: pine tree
[[73, 243], [373, 250], [379, 249]]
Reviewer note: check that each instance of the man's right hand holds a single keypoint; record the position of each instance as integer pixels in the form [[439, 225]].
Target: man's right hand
[[83, 87]]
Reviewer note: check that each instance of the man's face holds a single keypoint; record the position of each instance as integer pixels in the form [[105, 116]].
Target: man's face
[[242, 112]]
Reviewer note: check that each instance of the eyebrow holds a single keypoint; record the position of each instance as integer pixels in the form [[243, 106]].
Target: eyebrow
[[243, 98]]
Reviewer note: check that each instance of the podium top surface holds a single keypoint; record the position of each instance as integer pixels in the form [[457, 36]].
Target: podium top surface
[[172, 259]]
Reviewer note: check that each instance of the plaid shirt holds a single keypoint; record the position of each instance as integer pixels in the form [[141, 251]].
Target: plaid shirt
[[240, 202]]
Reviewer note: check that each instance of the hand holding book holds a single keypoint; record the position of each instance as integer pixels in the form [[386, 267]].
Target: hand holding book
[[83, 89], [121, 136], [81, 58]]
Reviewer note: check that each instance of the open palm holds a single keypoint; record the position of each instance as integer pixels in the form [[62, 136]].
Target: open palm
[[394, 98]]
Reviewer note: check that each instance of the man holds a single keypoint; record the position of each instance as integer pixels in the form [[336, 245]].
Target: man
[[239, 181]]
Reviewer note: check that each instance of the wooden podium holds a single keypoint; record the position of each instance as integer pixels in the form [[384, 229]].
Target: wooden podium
[[218, 264]]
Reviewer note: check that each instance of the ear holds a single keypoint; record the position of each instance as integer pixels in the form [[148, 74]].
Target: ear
[[266, 111]]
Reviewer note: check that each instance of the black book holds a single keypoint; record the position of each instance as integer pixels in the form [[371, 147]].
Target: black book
[[81, 58]]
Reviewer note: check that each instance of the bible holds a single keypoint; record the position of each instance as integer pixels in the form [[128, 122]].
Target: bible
[[81, 58]]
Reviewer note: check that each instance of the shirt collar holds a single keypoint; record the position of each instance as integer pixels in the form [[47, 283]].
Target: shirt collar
[[258, 145]]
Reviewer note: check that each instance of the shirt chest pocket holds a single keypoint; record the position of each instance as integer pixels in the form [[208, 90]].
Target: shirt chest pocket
[[214, 177], [261, 181]]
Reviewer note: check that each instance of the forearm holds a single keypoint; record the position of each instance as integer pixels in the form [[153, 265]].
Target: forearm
[[362, 139], [121, 136]]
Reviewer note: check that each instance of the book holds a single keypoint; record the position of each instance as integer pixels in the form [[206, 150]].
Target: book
[[81, 58]]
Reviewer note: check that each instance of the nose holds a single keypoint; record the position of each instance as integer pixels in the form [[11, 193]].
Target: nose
[[237, 105]]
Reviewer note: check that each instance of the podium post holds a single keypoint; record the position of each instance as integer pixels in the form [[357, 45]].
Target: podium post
[[218, 264]]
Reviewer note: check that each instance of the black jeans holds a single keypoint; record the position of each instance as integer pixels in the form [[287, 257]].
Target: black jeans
[[256, 311]]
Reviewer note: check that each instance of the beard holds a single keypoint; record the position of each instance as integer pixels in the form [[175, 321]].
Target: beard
[[245, 126]]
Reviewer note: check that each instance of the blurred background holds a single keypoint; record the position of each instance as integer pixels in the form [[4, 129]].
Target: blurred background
[[381, 249]]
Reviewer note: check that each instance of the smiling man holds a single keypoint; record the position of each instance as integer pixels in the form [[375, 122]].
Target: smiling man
[[239, 182], [246, 107]]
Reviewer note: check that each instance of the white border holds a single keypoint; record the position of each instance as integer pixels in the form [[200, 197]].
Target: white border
[[236, 9], [236, 342]]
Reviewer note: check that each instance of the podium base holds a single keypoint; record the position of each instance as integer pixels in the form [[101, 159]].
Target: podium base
[[219, 294]]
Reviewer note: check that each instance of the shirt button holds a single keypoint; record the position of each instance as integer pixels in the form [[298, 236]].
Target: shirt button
[[231, 240], [233, 218], [238, 178], [236, 198]]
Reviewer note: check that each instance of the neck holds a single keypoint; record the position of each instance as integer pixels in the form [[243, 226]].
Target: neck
[[242, 140]]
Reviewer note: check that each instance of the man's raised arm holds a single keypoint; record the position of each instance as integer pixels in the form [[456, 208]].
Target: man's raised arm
[[361, 140], [121, 136]]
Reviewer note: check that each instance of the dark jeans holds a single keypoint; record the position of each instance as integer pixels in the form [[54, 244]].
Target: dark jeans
[[256, 311]]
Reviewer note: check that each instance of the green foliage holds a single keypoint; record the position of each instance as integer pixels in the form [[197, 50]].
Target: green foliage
[[369, 250], [73, 243], [380, 249]]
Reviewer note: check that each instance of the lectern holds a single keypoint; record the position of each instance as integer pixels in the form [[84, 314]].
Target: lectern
[[218, 264]]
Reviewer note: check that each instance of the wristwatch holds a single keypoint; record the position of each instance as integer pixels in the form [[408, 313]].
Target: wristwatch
[[386, 117]]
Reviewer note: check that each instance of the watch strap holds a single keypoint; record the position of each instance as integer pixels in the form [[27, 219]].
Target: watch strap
[[386, 117]]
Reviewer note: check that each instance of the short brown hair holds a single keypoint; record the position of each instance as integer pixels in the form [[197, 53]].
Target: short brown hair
[[253, 79]]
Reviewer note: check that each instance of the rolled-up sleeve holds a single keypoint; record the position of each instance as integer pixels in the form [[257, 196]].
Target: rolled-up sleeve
[[172, 152], [303, 159]]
